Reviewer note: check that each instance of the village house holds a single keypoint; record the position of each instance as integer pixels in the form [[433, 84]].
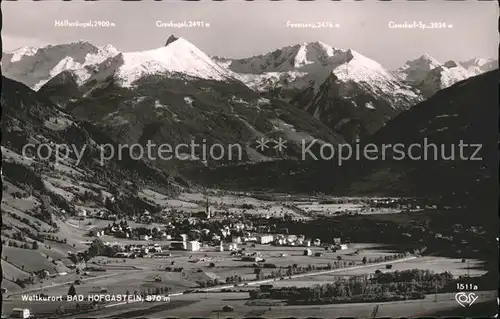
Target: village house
[[193, 245]]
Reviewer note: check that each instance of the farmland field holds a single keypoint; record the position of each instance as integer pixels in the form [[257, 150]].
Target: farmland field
[[32, 260]]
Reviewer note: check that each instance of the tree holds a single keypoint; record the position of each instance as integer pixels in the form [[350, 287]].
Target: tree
[[97, 248], [259, 275], [72, 291], [60, 310]]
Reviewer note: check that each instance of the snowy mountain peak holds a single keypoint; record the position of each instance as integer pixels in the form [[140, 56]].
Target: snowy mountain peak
[[171, 39], [359, 68], [425, 61], [35, 66], [179, 56], [415, 71], [427, 57], [310, 52]]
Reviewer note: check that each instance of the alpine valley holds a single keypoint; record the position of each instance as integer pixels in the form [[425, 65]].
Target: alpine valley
[[271, 232]]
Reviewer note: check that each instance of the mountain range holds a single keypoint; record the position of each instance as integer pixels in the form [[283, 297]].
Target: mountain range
[[293, 67], [429, 76], [346, 94]]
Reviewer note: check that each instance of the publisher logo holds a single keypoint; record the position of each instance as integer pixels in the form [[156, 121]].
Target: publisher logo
[[466, 299]]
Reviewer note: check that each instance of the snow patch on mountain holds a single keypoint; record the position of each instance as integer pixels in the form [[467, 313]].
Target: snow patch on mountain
[[158, 105], [188, 100], [18, 54], [263, 101], [369, 105]]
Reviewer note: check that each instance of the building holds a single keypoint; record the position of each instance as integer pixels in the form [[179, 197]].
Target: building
[[343, 247], [317, 242], [307, 243], [193, 245], [96, 233], [20, 313], [236, 240], [265, 239], [337, 241], [144, 237], [82, 213]]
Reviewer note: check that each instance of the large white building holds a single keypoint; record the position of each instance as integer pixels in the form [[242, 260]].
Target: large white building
[[265, 239], [193, 245]]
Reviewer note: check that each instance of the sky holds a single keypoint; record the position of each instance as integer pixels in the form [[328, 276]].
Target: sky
[[242, 29]]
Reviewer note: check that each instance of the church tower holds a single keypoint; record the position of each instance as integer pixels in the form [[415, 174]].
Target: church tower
[[208, 211]]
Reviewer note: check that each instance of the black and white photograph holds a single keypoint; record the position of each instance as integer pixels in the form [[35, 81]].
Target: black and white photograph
[[249, 159]]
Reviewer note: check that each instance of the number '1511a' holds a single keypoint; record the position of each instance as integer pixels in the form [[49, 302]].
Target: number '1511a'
[[466, 287]]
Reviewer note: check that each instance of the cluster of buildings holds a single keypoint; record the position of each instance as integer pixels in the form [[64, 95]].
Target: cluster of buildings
[[103, 214]]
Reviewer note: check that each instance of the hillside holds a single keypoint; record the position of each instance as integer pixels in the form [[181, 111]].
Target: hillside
[[174, 108], [466, 111], [39, 194]]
